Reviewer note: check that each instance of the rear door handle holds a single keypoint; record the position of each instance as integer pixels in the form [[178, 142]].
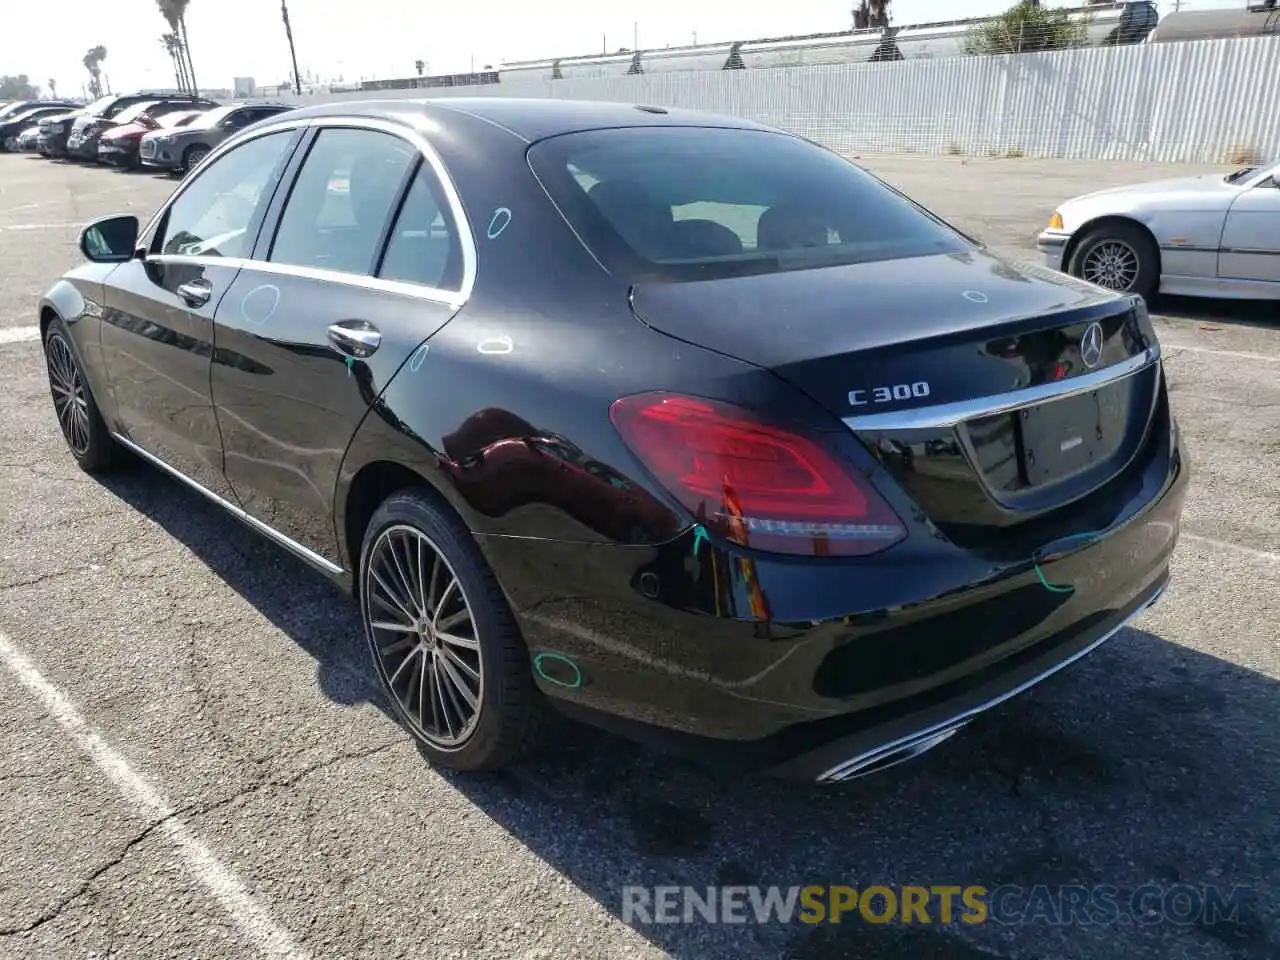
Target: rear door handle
[[354, 338], [196, 293]]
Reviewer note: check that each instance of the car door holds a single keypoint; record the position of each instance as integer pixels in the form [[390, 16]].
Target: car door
[[337, 297], [1250, 247], [157, 330]]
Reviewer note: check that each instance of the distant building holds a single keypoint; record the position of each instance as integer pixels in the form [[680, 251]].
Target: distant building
[[244, 86]]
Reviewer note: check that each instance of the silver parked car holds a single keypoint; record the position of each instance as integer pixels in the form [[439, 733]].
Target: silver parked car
[[1206, 236], [181, 150]]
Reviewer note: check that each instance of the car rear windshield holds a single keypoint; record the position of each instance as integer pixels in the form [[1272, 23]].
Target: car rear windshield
[[696, 203]]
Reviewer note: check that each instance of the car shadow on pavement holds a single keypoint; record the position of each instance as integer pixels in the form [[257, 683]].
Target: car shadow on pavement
[[1261, 314], [1145, 763]]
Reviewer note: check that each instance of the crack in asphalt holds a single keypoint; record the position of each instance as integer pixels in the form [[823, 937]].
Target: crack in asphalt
[[193, 810]]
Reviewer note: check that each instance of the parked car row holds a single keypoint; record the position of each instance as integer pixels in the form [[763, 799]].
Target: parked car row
[[171, 132]]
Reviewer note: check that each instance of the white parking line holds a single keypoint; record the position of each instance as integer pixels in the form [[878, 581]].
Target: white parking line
[[252, 919], [1234, 354], [18, 334]]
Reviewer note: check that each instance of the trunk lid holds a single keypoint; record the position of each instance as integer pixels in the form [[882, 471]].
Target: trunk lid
[[891, 347]]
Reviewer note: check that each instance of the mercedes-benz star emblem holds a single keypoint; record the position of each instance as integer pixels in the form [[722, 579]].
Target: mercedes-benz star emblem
[[975, 296], [1091, 346]]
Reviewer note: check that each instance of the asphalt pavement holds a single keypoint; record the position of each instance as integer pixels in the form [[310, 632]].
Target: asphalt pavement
[[194, 764]]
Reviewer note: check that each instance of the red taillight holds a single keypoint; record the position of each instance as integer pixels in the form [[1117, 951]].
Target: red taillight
[[752, 482]]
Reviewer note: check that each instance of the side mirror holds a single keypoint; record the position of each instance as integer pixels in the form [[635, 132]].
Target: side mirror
[[110, 240]]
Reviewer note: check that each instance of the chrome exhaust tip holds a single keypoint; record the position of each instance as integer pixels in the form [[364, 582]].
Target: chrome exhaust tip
[[891, 755]]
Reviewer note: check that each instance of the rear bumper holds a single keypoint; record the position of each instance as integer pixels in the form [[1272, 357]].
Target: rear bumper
[[815, 669], [110, 152], [914, 732], [84, 149]]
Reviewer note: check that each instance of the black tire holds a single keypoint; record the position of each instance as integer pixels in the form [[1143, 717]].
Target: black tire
[[192, 156], [511, 709], [1116, 242], [86, 434]]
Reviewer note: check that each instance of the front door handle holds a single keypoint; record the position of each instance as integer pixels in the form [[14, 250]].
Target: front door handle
[[354, 338], [196, 293]]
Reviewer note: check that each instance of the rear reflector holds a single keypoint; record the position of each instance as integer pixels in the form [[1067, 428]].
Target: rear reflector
[[752, 482]]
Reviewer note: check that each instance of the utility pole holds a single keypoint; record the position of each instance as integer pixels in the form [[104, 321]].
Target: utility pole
[[635, 41], [293, 54]]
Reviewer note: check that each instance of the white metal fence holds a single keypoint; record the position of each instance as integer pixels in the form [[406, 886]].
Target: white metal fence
[[1210, 101]]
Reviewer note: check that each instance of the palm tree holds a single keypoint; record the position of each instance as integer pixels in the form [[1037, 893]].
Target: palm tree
[[419, 65], [871, 13], [293, 53], [53, 88], [173, 47], [93, 63], [175, 14]]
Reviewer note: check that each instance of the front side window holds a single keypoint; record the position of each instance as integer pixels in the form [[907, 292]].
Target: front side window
[[424, 246], [691, 203], [342, 200], [213, 215]]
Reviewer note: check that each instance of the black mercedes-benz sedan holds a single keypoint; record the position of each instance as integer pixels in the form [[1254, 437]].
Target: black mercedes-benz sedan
[[679, 424]]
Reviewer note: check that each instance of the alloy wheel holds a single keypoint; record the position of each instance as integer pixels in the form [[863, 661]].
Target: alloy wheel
[[1112, 264], [425, 640], [193, 160], [69, 397]]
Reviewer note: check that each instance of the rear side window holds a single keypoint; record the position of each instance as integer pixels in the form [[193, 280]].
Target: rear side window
[[424, 246], [342, 200], [692, 203]]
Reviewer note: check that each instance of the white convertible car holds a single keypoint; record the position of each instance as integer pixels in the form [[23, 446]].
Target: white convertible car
[[1208, 236]]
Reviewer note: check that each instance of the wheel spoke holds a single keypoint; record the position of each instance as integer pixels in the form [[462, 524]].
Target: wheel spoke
[[453, 640], [394, 627], [453, 620], [391, 595], [404, 663], [403, 580], [399, 646], [444, 599], [433, 597], [451, 683], [440, 697], [422, 577], [459, 664], [422, 692]]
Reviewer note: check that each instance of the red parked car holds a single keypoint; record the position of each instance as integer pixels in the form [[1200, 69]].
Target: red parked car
[[119, 145]]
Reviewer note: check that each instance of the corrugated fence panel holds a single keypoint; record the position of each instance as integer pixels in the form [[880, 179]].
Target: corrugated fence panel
[[1208, 101]]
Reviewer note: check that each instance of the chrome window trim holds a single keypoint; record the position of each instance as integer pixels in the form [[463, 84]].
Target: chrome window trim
[[305, 553], [952, 414], [466, 238], [399, 287]]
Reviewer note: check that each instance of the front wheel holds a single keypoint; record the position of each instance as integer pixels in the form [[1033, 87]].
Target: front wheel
[[191, 159], [82, 425], [445, 645], [1120, 257]]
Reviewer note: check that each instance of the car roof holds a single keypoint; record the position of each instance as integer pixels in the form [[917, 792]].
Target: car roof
[[527, 118]]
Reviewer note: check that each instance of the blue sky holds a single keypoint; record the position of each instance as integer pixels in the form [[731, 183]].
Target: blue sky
[[383, 38]]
